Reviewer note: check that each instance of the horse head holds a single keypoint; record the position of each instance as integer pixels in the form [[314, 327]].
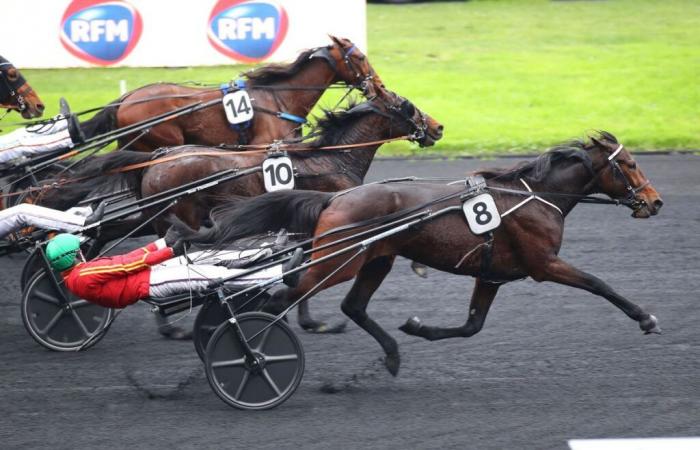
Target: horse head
[[16, 94], [410, 120], [620, 177], [352, 67]]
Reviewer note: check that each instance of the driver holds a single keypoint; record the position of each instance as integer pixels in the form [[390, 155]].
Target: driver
[[119, 281], [58, 133]]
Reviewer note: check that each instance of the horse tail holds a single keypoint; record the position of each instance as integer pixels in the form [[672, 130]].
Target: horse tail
[[96, 175], [295, 211], [102, 122]]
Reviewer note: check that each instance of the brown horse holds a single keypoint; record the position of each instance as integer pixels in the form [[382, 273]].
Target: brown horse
[[316, 169], [526, 243], [277, 88], [16, 94]]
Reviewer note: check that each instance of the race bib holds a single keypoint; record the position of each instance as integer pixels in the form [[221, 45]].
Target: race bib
[[278, 173], [481, 213], [238, 107]]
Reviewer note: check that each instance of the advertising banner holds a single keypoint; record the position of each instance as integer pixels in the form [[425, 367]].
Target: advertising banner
[[172, 33]]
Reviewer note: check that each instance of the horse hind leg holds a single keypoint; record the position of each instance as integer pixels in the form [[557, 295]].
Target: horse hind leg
[[308, 323], [482, 297], [355, 306]]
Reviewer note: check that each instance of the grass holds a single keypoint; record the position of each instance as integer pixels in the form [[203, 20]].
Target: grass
[[503, 76]]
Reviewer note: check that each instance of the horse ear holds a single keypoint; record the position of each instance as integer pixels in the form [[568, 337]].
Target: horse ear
[[336, 40], [597, 142]]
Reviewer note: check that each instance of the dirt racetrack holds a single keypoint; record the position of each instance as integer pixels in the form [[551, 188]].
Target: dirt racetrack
[[552, 363]]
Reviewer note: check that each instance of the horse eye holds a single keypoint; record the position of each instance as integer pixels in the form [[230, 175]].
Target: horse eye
[[12, 74], [632, 165]]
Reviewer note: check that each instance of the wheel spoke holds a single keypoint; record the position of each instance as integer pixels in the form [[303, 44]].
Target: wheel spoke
[[44, 297], [261, 346], [80, 323], [80, 303], [52, 323], [271, 382], [244, 381], [231, 363], [281, 358]]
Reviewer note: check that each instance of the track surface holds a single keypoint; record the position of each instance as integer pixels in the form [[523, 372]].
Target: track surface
[[552, 363]]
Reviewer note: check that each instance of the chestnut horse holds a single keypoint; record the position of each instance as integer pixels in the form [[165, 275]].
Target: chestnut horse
[[316, 169], [16, 94], [526, 243], [276, 88]]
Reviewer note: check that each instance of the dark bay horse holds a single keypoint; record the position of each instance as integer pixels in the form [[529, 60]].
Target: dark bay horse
[[290, 88], [317, 169], [526, 243], [16, 94]]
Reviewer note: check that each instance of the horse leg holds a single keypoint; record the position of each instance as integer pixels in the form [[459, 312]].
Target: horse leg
[[482, 297], [355, 307], [561, 272], [419, 269], [308, 323]]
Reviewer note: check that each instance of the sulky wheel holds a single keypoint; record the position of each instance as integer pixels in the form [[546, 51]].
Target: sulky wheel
[[32, 265], [212, 314], [58, 324], [262, 385]]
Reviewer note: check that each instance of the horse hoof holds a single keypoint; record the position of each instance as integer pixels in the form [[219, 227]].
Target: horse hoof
[[412, 326], [324, 328], [650, 325], [419, 269], [177, 334], [392, 363]]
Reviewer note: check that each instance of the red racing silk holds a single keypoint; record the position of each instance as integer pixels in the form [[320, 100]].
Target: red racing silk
[[117, 281]]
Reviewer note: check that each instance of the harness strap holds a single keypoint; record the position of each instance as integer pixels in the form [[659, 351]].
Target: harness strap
[[291, 117], [530, 198]]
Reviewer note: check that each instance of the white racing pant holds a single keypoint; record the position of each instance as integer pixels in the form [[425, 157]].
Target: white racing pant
[[25, 142], [174, 278], [208, 257], [28, 215]]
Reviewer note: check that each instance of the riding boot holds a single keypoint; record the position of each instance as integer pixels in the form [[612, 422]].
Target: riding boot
[[292, 280], [170, 331]]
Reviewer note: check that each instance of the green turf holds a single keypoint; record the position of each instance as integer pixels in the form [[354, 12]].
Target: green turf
[[505, 76]]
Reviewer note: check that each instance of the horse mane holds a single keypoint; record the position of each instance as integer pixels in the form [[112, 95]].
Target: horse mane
[[538, 169], [274, 73], [92, 176], [334, 125]]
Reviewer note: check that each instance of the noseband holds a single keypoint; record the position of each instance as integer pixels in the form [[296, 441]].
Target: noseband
[[631, 199], [11, 89]]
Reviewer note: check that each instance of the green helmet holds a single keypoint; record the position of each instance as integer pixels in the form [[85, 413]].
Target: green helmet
[[62, 250]]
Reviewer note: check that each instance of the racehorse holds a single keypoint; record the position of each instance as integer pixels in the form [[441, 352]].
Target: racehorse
[[16, 94], [316, 168], [526, 243], [282, 96]]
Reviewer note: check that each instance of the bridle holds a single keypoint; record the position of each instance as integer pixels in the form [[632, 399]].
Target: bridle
[[12, 88], [420, 128], [631, 197], [361, 83]]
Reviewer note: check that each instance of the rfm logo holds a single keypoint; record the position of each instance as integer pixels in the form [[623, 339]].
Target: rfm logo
[[100, 31], [247, 30]]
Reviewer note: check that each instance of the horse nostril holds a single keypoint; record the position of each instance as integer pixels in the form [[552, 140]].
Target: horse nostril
[[658, 203], [440, 128], [40, 107]]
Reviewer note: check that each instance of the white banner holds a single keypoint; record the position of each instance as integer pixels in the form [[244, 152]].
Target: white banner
[[172, 33]]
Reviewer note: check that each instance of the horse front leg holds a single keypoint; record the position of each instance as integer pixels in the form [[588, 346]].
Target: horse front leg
[[561, 272], [482, 297]]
